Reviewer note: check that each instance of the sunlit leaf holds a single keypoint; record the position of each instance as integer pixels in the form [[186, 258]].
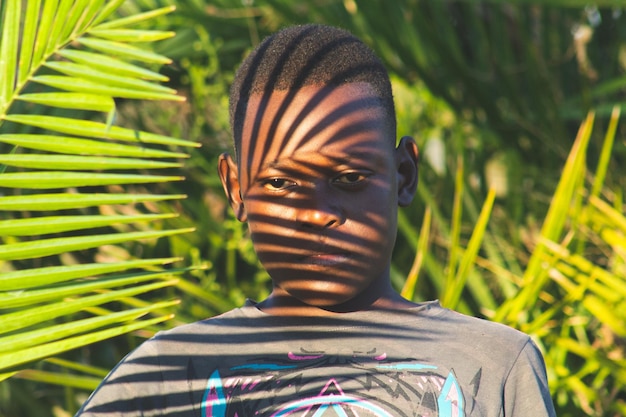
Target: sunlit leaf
[[9, 50], [55, 37], [121, 50], [95, 129], [85, 86], [408, 291], [78, 101], [47, 247], [468, 259], [107, 10], [27, 42], [62, 201], [60, 378], [57, 179], [38, 314], [38, 277], [77, 163], [55, 224], [33, 297], [131, 35], [70, 145], [111, 65], [23, 356], [137, 18], [110, 79]]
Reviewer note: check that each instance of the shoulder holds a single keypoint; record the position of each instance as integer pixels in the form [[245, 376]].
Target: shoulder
[[237, 316], [228, 326], [484, 341], [474, 326]]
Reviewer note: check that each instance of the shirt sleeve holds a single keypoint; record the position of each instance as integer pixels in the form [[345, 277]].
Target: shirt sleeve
[[133, 388], [526, 390]]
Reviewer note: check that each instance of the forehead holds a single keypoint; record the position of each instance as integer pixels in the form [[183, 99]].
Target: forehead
[[337, 121]]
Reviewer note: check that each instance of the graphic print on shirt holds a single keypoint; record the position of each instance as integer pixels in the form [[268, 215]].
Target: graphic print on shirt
[[311, 384]]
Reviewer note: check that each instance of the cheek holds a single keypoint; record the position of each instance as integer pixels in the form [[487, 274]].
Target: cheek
[[263, 215], [380, 231], [271, 226]]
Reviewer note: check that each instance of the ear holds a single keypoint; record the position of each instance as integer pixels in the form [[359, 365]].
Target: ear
[[228, 172], [407, 161]]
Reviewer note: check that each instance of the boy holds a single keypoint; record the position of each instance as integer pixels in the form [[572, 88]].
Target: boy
[[318, 179]]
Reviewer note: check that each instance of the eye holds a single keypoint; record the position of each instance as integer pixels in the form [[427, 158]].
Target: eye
[[278, 184], [351, 178]]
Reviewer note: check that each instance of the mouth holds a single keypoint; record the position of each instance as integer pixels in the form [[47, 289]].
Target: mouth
[[325, 259]]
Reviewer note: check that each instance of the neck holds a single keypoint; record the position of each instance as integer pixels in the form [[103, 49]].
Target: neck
[[377, 297]]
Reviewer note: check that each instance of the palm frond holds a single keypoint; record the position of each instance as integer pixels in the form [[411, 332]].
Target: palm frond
[[58, 97]]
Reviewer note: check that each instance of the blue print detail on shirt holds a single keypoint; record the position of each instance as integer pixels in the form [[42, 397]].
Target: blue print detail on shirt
[[318, 385]]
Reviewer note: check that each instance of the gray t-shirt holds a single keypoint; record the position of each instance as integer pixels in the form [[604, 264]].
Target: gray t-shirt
[[423, 361]]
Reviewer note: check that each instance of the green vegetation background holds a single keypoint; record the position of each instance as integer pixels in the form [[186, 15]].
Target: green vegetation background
[[519, 217]]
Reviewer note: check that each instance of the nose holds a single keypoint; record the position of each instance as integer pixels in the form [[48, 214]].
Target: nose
[[319, 212], [319, 219]]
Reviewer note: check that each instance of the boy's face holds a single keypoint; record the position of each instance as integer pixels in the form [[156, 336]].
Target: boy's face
[[319, 182]]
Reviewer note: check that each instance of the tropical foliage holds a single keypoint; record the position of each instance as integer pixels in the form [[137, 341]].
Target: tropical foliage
[[62, 168], [515, 221]]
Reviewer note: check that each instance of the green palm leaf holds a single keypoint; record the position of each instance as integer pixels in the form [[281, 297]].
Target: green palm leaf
[[61, 201], [96, 130], [58, 94], [71, 145]]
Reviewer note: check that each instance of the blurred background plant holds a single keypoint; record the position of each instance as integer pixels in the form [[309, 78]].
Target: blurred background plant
[[520, 214]]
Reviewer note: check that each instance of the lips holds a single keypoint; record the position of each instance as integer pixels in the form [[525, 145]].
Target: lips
[[325, 259]]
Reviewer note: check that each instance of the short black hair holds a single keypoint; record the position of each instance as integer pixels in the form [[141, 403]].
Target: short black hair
[[305, 55]]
